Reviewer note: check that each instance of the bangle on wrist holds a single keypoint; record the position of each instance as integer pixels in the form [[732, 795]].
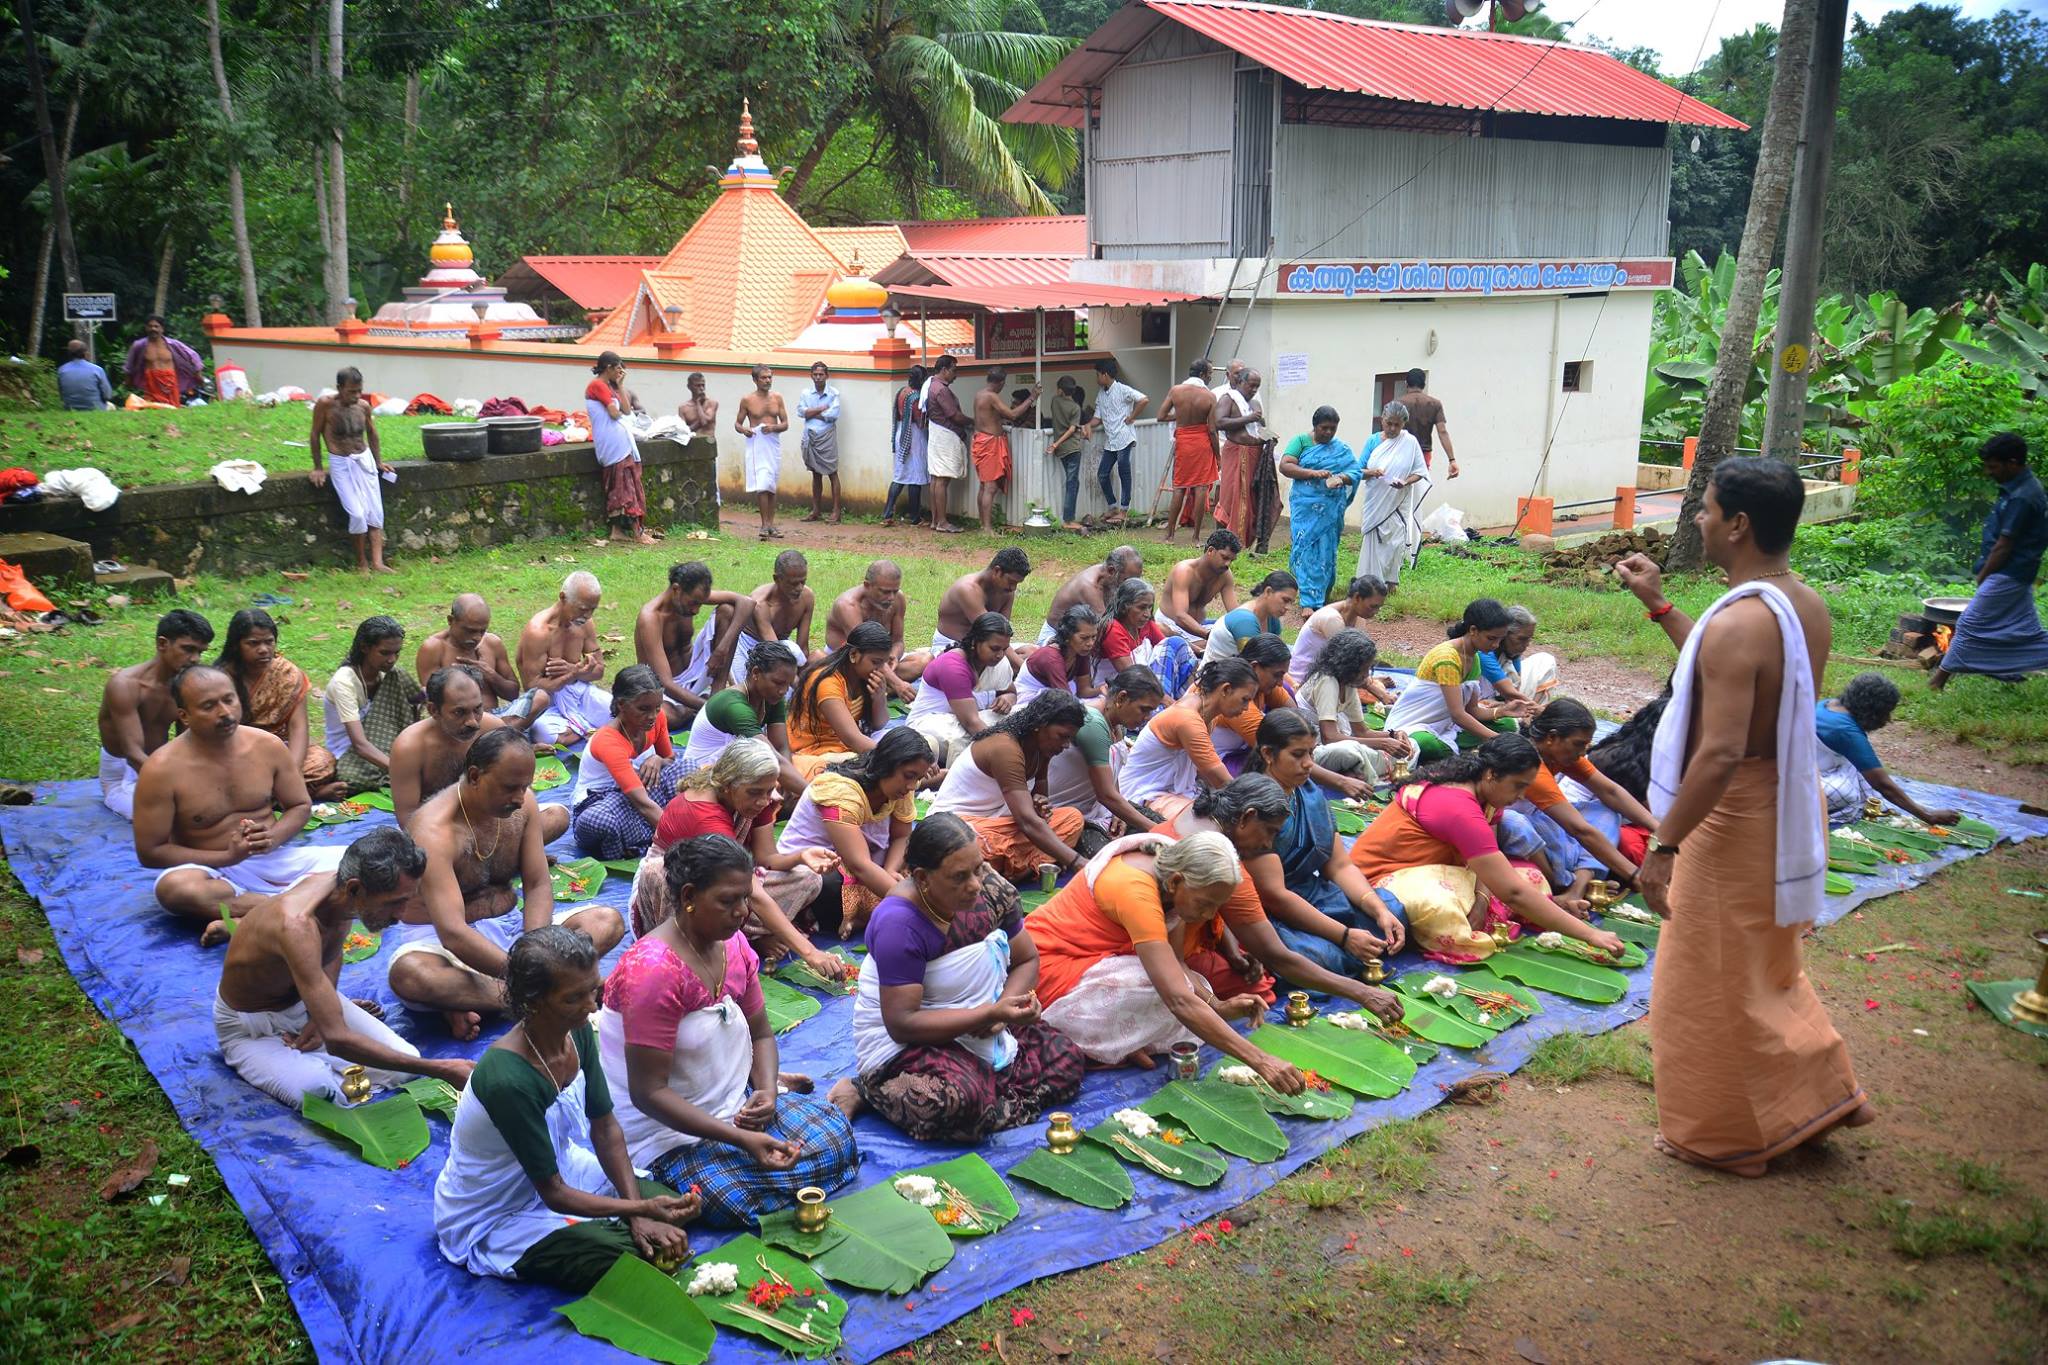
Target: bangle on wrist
[[1659, 613]]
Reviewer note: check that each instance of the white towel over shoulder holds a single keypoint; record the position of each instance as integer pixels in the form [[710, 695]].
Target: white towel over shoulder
[[1802, 826]]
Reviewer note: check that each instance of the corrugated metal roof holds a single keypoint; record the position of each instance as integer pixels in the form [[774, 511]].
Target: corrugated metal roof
[[1060, 235], [592, 282], [1445, 67], [1019, 298], [976, 271]]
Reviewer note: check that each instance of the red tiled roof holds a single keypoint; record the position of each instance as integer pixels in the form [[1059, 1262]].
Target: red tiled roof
[[1061, 235], [592, 282], [1450, 68]]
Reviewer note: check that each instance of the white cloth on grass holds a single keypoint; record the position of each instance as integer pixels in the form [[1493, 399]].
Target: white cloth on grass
[[252, 1043]]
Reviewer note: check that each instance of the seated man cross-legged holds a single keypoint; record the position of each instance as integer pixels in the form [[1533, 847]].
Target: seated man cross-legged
[[428, 755], [281, 1023]]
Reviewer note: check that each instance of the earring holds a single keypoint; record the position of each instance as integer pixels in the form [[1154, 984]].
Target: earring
[[689, 907]]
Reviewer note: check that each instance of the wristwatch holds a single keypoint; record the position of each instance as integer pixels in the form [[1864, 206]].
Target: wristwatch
[[1659, 846]]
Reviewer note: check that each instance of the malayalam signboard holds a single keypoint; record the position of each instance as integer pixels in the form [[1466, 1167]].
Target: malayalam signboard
[[1425, 279], [89, 308], [1013, 336]]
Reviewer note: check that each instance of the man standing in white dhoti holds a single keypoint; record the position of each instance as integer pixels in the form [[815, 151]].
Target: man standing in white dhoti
[[342, 421], [761, 421]]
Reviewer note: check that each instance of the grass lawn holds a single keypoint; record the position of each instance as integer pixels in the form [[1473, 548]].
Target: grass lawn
[[157, 446], [1419, 1238]]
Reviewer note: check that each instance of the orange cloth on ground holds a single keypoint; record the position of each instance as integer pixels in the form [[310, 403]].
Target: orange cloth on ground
[[428, 403], [1543, 792], [1194, 458], [161, 385], [1748, 1065], [1079, 927], [811, 733], [1011, 852], [991, 457]]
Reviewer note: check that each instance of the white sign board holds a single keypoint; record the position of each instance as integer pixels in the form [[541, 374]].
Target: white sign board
[[1290, 368], [89, 308]]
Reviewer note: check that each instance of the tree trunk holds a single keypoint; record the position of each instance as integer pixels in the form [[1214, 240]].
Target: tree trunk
[[238, 211], [55, 169], [412, 128], [337, 174], [41, 309], [828, 128], [1721, 420], [163, 274]]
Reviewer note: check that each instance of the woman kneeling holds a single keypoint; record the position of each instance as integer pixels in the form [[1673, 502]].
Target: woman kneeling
[[946, 1035], [684, 1033], [535, 1143]]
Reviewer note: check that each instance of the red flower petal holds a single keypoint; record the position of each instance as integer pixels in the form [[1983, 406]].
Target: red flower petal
[[1225, 1227], [1870, 1004], [1020, 1316], [1407, 1251]]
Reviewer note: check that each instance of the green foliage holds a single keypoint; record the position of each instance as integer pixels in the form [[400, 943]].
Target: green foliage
[[1570, 1058], [1920, 451], [28, 386], [643, 1311], [1916, 549], [1564, 974]]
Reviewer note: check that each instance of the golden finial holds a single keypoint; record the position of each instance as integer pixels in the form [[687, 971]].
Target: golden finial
[[448, 217], [748, 146]]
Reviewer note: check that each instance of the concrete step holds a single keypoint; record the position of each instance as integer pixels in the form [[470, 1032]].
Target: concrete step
[[139, 584], [48, 559]]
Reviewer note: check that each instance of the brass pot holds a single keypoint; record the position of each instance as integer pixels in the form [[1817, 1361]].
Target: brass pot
[[1061, 1137], [1299, 1011], [355, 1085], [1375, 971], [2032, 1005], [812, 1212]]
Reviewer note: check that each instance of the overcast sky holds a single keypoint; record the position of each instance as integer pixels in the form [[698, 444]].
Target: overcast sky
[[1674, 27]]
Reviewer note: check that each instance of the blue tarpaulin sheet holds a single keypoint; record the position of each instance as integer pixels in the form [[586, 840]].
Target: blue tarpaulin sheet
[[355, 1244]]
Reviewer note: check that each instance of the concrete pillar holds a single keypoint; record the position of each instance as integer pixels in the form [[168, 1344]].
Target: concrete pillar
[[1692, 450], [1624, 509], [1535, 515], [1852, 465]]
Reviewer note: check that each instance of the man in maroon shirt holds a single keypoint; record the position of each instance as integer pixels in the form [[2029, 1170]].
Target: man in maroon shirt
[[950, 431]]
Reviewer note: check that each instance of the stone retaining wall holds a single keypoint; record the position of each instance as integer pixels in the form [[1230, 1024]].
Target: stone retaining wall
[[434, 507]]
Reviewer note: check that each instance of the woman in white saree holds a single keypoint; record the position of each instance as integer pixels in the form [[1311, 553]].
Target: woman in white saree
[[1394, 481]]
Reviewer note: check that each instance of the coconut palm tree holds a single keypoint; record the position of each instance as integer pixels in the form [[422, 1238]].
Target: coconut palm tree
[[932, 78]]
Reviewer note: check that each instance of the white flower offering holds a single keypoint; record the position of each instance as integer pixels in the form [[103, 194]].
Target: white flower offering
[[1551, 941], [1351, 1019], [1237, 1075], [1623, 910], [921, 1190], [1854, 836], [1136, 1122], [715, 1277], [1440, 986]]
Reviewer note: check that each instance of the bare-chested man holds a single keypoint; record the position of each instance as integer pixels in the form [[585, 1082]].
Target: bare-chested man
[[1191, 406], [1194, 583], [878, 597], [1092, 587], [992, 589], [762, 420], [203, 808], [692, 662], [467, 639], [428, 754], [782, 609], [136, 708], [343, 422], [699, 411], [558, 651], [992, 416], [480, 836], [282, 1024]]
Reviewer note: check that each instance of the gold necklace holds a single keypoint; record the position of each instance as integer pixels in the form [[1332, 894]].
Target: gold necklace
[[541, 1057], [928, 912], [497, 827]]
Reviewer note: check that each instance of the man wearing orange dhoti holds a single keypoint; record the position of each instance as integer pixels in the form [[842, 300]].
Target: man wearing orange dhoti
[[992, 440], [1747, 1065], [161, 368], [1191, 406]]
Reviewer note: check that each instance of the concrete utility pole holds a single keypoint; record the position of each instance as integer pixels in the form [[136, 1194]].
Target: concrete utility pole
[[1799, 282]]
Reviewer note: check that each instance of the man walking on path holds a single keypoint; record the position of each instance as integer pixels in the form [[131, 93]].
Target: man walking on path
[[1426, 421]]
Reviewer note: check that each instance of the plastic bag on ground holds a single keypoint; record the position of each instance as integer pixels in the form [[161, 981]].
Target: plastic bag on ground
[[1446, 524]]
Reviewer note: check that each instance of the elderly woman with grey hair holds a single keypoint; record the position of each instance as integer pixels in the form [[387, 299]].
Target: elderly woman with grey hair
[[1525, 681], [1394, 476], [1113, 948], [1849, 767]]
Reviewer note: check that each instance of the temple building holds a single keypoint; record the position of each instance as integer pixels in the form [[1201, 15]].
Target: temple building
[[452, 295]]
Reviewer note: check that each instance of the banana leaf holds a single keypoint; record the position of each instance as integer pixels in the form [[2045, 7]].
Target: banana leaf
[[625, 867], [389, 1133], [787, 1006], [1334, 1103], [825, 1309], [1222, 1115], [1347, 821], [1032, 899], [642, 1311], [380, 799], [798, 973], [1462, 1005], [337, 812], [1480, 979], [353, 949], [779, 1230], [434, 1095], [1885, 836], [1842, 850], [891, 1245], [923, 802], [1426, 1019], [1363, 1063], [995, 1206], [1632, 954], [577, 881], [1190, 1163], [1629, 931], [1087, 1175], [549, 773], [1973, 833], [1559, 973], [1850, 869], [1838, 885]]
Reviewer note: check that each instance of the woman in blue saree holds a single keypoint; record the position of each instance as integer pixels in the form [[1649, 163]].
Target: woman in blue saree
[[1325, 474], [1319, 903]]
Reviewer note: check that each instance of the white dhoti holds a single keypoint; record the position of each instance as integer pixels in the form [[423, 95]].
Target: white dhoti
[[945, 454], [744, 647], [1115, 1010], [117, 785], [253, 1044], [267, 874], [1539, 677], [695, 674], [502, 931], [354, 478], [1351, 758], [1045, 634], [763, 460], [577, 710]]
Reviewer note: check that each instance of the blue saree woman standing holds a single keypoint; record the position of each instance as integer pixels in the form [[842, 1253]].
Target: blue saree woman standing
[[1325, 474]]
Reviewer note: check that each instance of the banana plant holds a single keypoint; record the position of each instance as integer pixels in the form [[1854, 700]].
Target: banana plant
[[2010, 325]]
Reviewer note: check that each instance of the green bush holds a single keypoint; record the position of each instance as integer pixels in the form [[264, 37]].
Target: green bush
[[1920, 449], [28, 385], [1916, 548]]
